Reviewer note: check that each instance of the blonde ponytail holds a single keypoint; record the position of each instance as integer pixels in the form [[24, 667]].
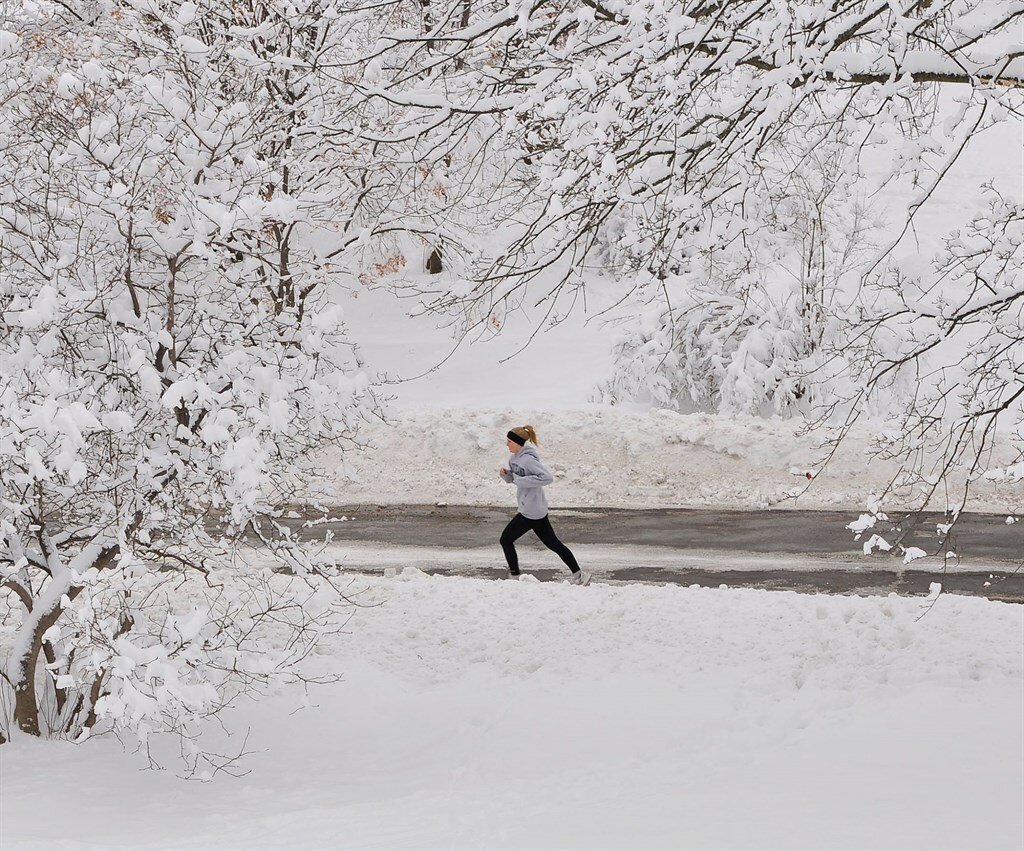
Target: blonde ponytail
[[527, 433]]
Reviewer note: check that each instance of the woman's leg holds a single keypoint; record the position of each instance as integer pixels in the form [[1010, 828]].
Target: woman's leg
[[550, 540], [516, 528]]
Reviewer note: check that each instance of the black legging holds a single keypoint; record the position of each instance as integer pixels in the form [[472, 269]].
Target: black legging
[[519, 526]]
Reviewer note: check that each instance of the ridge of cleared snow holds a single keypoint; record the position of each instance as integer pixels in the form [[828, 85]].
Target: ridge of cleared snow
[[617, 458]]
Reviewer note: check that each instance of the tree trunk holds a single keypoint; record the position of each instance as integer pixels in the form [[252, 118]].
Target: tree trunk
[[45, 612], [26, 703]]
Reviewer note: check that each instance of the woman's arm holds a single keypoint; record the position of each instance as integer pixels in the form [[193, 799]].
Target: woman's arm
[[537, 475]]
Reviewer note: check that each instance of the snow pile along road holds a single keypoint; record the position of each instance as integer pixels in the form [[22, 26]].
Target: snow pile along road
[[482, 714], [616, 458]]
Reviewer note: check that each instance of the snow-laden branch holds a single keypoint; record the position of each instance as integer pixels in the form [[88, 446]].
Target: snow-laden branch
[[921, 66]]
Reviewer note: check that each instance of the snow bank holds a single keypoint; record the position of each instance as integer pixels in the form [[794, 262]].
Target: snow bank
[[481, 714], [618, 458]]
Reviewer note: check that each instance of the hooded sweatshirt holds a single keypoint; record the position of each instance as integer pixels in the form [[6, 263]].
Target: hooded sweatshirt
[[529, 476]]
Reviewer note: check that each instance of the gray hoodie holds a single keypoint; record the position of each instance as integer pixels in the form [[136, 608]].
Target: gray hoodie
[[529, 475]]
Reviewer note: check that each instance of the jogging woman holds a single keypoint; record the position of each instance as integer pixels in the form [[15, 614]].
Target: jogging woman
[[529, 475]]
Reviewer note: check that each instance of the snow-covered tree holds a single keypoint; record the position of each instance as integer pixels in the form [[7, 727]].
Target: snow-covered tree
[[718, 157], [953, 328], [641, 122], [175, 205]]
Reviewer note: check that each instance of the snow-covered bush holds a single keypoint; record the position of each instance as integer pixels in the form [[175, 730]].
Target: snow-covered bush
[[715, 351], [170, 226], [746, 324]]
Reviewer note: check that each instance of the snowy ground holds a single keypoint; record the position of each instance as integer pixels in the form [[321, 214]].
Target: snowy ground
[[485, 714]]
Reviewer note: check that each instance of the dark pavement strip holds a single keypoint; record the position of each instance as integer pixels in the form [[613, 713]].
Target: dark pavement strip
[[982, 537], [991, 550]]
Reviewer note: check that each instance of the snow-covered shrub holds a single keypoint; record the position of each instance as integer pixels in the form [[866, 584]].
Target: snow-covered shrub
[[746, 322], [715, 351]]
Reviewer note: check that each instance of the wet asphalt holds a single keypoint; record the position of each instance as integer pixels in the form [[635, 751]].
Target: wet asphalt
[[808, 551]]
